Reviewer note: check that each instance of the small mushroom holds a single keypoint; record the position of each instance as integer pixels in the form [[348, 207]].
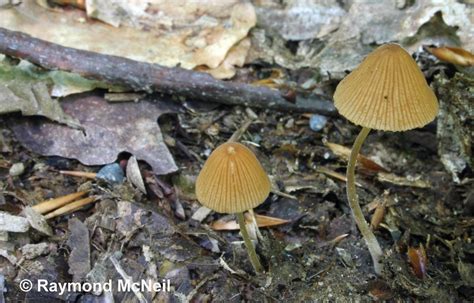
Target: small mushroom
[[387, 91], [232, 181]]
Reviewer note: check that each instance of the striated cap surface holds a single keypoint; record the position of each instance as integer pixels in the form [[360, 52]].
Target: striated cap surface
[[387, 91], [232, 180]]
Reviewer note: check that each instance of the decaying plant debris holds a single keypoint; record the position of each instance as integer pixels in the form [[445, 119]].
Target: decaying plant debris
[[417, 186]]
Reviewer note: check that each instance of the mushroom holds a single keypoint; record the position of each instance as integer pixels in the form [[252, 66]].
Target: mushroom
[[387, 91], [232, 181]]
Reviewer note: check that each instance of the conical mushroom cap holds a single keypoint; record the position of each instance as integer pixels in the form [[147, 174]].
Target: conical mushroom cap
[[387, 91], [232, 180]]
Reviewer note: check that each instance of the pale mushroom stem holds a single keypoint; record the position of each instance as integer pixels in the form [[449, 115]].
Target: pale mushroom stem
[[369, 237], [248, 243]]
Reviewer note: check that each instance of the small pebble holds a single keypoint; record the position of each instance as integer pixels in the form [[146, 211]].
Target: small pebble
[[17, 169], [112, 173], [317, 122]]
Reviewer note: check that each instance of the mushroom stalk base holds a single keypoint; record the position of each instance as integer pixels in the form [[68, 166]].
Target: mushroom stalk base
[[248, 243], [369, 237]]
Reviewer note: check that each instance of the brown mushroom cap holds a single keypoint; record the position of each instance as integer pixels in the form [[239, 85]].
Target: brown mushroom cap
[[387, 91], [232, 180]]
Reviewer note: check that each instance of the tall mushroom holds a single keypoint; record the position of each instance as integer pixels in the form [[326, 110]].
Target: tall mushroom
[[387, 91], [233, 181]]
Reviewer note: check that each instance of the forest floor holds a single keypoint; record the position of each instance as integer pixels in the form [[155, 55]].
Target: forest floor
[[318, 256]]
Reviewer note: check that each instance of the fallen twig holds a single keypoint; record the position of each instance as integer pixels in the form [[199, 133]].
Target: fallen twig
[[70, 207], [82, 174], [52, 204], [141, 76]]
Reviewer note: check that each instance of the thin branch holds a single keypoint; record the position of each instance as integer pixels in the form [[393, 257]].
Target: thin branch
[[141, 76]]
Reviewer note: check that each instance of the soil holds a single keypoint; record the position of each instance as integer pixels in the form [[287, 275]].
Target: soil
[[319, 256]]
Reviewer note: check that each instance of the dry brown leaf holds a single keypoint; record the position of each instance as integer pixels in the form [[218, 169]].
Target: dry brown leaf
[[170, 33], [378, 215], [345, 152], [262, 221], [273, 81], [134, 175], [418, 260], [235, 58]]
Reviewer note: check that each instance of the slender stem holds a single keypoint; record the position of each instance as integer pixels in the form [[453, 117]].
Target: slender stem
[[248, 243], [369, 237]]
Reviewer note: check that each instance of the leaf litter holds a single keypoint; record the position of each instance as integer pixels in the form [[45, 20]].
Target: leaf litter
[[163, 233], [109, 129]]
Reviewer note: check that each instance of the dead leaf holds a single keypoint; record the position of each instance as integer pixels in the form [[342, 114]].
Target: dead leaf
[[235, 58], [171, 33], [275, 80], [32, 251], [20, 92], [133, 174], [262, 221], [345, 153], [78, 241], [37, 221], [380, 290], [201, 213], [418, 260], [59, 83], [109, 130], [352, 36], [378, 215]]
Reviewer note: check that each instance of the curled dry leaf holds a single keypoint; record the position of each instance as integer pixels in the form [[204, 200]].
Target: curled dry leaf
[[37, 221], [380, 290], [378, 215], [418, 260], [454, 55], [235, 58], [275, 80], [345, 152], [379, 204], [133, 174], [262, 221]]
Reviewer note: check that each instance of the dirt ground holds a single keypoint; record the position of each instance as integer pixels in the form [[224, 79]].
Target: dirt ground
[[319, 256]]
